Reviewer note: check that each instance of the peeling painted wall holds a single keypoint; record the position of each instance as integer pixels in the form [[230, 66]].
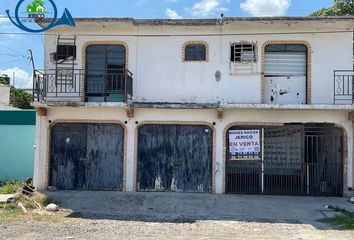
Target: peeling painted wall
[[161, 76], [230, 116], [285, 90]]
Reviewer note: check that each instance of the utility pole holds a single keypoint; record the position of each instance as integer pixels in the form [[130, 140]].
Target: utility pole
[[33, 71], [31, 59], [13, 79]]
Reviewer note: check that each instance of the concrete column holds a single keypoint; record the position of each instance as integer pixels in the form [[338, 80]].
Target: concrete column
[[219, 166], [40, 163], [130, 157], [351, 158]]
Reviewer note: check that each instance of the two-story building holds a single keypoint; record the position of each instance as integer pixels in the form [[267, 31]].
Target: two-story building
[[230, 105]]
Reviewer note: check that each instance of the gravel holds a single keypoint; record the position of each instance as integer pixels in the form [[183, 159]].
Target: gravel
[[115, 229]]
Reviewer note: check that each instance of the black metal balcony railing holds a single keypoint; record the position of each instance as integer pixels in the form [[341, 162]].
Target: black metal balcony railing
[[114, 85], [343, 87]]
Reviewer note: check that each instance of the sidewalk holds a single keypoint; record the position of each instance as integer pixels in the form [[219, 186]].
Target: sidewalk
[[191, 207]]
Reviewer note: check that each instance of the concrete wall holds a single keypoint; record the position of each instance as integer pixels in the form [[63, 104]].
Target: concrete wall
[[16, 151], [160, 75], [4, 95], [187, 116]]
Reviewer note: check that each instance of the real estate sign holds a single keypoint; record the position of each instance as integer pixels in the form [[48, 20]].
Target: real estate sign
[[244, 144]]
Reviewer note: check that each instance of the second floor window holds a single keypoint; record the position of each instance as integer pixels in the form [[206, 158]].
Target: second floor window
[[243, 52], [195, 52]]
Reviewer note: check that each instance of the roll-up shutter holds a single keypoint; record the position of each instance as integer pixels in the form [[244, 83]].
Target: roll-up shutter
[[285, 60]]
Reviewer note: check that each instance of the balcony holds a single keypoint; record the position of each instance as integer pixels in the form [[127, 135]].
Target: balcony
[[79, 87], [70, 86], [343, 87]]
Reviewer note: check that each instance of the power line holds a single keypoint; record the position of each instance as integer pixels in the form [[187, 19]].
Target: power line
[[10, 55], [17, 60], [10, 49]]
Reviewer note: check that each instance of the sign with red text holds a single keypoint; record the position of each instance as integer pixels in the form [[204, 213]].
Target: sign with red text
[[244, 144]]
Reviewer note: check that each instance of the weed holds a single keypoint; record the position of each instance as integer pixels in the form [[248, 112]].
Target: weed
[[11, 187], [344, 221]]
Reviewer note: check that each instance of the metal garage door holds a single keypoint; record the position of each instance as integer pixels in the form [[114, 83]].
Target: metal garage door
[[87, 156], [285, 74], [175, 158], [301, 159]]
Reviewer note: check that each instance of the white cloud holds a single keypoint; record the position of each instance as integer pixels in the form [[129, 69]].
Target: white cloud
[[22, 78], [206, 8], [172, 14], [265, 7]]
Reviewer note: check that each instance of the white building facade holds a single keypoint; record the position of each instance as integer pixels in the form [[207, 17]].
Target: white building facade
[[232, 105]]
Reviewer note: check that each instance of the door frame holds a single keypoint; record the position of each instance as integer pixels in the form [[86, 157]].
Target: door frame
[[77, 121], [83, 59], [279, 124], [136, 142], [308, 66]]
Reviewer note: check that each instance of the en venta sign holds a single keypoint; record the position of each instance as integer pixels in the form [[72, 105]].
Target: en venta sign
[[244, 144]]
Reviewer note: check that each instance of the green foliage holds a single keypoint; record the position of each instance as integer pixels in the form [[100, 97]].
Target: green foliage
[[344, 221], [4, 79], [11, 187], [20, 99], [339, 8]]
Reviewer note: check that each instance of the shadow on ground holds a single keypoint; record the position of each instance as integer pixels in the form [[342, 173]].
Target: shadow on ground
[[191, 207]]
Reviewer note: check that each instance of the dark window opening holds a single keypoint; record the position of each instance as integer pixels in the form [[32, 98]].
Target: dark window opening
[[66, 52], [285, 48], [195, 52], [243, 52], [105, 72]]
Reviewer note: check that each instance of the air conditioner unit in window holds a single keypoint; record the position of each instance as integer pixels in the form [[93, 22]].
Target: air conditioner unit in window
[[64, 52]]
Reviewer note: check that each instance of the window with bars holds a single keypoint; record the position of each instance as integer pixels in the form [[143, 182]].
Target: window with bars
[[243, 52], [195, 52]]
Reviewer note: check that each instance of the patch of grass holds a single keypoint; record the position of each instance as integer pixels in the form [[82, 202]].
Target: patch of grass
[[9, 212], [11, 187], [15, 214], [42, 199], [344, 221], [34, 204]]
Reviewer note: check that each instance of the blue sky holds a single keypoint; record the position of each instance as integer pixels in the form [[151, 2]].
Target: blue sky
[[14, 47]]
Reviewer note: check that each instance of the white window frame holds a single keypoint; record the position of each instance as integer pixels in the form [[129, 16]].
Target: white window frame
[[247, 66]]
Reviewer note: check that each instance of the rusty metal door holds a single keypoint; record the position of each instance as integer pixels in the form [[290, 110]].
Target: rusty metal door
[[175, 158], [87, 156]]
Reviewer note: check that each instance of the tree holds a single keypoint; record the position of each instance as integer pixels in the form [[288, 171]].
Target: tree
[[4, 79], [339, 8], [20, 99]]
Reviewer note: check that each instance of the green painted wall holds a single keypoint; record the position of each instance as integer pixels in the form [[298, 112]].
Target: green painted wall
[[16, 144]]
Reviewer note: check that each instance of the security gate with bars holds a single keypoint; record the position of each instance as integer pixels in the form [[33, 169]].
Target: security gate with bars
[[297, 159]]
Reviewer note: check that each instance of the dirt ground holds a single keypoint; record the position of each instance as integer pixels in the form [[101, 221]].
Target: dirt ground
[[115, 229], [115, 215]]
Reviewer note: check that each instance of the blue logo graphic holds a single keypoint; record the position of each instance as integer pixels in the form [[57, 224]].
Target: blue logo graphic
[[36, 11]]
